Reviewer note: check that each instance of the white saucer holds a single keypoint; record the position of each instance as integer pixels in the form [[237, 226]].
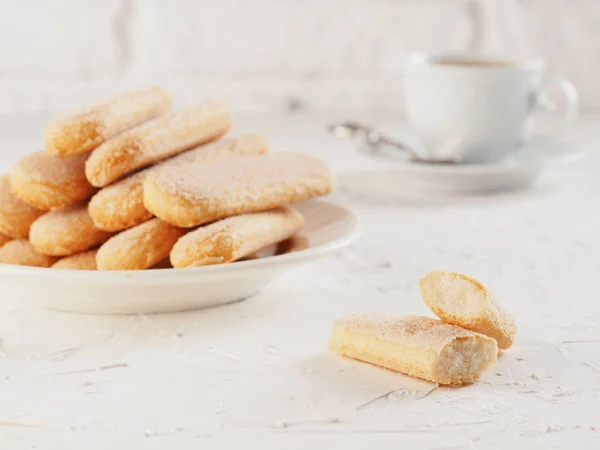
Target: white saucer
[[328, 229], [516, 171]]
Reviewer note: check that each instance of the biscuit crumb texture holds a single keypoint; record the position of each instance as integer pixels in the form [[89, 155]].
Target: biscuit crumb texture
[[418, 346], [463, 301]]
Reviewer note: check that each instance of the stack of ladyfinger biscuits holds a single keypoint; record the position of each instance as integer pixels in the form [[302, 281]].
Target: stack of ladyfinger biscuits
[[454, 350], [125, 185]]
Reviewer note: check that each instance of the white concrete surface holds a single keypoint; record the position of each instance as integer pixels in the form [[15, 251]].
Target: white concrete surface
[[258, 374]]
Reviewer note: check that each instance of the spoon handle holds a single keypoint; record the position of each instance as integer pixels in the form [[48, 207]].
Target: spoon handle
[[383, 139], [373, 138]]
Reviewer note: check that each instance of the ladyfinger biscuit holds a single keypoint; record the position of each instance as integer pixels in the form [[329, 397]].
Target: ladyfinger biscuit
[[4, 239], [121, 205], [463, 301], [45, 181], [139, 247], [16, 216], [22, 253], [65, 232], [80, 261], [235, 237], [418, 346], [91, 127], [194, 194], [155, 141]]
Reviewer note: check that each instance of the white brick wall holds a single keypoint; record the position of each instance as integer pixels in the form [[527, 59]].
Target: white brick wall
[[269, 55], [289, 38], [38, 40]]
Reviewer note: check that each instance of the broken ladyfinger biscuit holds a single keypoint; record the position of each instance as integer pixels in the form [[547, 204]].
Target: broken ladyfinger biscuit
[[235, 237], [463, 301], [65, 232], [16, 216], [46, 182], [140, 247], [195, 194], [89, 128], [121, 205], [80, 261], [155, 141], [20, 252], [418, 346]]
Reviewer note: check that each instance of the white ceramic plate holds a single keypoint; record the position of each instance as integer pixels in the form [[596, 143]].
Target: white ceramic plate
[[517, 171], [328, 229]]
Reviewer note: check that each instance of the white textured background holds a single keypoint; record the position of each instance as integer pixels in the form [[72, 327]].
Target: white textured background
[[272, 55]]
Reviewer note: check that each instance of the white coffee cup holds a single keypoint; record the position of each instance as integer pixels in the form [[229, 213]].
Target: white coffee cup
[[474, 108]]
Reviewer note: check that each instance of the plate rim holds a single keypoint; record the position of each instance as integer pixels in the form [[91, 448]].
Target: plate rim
[[159, 275]]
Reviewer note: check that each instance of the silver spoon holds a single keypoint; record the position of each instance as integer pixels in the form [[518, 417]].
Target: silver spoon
[[374, 139]]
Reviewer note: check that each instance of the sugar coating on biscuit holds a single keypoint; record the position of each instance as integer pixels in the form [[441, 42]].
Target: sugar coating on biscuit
[[194, 194], [86, 129], [121, 205], [46, 181], [235, 237], [43, 167], [418, 346], [463, 301], [244, 145], [16, 216], [20, 252], [155, 141], [65, 232], [80, 261], [220, 178], [140, 247]]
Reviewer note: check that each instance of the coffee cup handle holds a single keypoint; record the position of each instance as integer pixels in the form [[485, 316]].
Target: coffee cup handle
[[569, 92]]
